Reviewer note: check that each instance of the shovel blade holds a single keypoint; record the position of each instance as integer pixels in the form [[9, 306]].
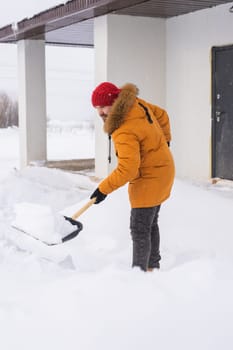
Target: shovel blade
[[79, 227]]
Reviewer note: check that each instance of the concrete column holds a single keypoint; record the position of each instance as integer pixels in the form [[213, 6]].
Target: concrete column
[[32, 101], [128, 49], [101, 57]]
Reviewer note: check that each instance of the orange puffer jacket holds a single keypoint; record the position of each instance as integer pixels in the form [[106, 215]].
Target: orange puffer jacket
[[140, 132]]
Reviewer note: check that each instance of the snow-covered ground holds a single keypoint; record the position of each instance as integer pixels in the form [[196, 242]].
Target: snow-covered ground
[[83, 294]]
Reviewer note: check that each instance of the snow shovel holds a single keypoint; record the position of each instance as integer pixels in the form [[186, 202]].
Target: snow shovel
[[74, 222]]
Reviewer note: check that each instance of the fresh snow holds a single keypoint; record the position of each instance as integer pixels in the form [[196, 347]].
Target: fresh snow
[[83, 294], [41, 222]]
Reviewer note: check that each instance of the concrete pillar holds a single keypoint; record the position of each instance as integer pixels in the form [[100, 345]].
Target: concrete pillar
[[101, 57], [128, 49], [32, 101]]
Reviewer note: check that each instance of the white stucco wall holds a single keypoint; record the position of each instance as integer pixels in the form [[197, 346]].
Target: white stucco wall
[[128, 49], [137, 54], [188, 76]]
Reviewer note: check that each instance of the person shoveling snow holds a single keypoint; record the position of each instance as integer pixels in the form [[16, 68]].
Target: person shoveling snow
[[141, 135]]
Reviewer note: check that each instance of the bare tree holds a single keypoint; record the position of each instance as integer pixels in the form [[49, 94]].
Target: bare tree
[[14, 114], [8, 111]]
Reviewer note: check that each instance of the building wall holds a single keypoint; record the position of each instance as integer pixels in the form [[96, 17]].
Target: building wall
[[128, 49], [188, 81], [137, 54]]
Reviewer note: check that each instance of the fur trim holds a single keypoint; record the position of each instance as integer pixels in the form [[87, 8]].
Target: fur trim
[[121, 107]]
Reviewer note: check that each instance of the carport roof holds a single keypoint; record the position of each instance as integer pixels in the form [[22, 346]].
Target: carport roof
[[72, 23]]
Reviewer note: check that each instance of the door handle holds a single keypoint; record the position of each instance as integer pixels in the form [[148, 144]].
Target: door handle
[[218, 115]]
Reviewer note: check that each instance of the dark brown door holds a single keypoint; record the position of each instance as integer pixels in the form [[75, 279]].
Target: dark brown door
[[222, 112]]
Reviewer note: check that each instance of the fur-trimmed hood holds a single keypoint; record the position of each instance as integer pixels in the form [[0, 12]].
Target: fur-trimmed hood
[[121, 107]]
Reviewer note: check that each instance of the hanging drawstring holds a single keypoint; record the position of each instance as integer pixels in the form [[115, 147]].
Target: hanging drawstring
[[109, 149], [147, 113]]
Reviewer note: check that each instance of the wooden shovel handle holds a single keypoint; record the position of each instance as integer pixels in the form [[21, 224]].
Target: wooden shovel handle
[[84, 208]]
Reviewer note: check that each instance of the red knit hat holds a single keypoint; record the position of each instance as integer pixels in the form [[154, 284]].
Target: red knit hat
[[104, 94]]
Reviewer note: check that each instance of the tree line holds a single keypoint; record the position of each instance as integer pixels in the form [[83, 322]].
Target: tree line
[[8, 111]]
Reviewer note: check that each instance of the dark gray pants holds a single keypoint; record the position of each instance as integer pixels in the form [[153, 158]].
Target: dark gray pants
[[145, 235]]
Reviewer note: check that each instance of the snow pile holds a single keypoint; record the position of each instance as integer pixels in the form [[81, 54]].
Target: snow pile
[[75, 127], [77, 141], [41, 222]]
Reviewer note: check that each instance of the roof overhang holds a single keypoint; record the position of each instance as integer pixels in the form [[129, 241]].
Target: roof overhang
[[72, 23]]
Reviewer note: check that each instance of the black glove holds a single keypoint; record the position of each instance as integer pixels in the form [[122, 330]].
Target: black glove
[[98, 195]]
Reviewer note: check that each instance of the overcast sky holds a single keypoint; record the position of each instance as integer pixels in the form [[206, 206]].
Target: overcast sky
[[16, 10], [69, 71]]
